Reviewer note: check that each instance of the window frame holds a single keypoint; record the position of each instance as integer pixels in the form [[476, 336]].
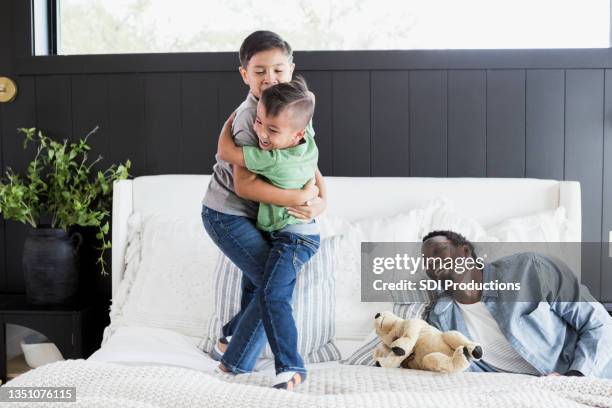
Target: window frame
[[27, 63]]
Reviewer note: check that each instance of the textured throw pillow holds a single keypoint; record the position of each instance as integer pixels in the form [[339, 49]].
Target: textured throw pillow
[[363, 355], [313, 303], [166, 284]]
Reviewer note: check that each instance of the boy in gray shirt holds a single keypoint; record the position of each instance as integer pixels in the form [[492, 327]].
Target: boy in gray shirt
[[228, 217]]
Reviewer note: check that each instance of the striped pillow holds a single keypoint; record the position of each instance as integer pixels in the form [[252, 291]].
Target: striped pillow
[[313, 304], [363, 355]]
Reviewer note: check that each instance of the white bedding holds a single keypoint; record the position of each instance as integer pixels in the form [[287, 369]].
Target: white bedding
[[152, 346], [144, 367], [115, 385]]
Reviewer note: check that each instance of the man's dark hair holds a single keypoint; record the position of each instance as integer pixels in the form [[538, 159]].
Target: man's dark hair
[[294, 96], [259, 41], [456, 239]]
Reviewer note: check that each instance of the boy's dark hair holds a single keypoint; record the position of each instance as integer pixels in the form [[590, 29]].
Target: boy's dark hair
[[293, 95], [259, 41], [455, 238]]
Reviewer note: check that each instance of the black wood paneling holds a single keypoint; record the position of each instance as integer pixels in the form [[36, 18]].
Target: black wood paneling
[[506, 123], [428, 123], [19, 113], [22, 33], [232, 91], [7, 39], [351, 125], [390, 151], [6, 66], [606, 255], [467, 145], [321, 84], [126, 113], [54, 106], [90, 109], [474, 113], [584, 93], [200, 122], [3, 275], [163, 131], [545, 124]]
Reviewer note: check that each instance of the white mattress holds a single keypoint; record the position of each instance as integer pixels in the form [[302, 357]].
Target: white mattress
[[150, 346]]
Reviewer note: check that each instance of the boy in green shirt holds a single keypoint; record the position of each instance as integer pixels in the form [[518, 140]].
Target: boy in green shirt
[[286, 156]]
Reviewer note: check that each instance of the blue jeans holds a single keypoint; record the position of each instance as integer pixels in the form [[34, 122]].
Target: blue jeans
[[247, 247], [268, 284]]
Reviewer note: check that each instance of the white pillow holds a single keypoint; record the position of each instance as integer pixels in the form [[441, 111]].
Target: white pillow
[[354, 317], [444, 216], [168, 279], [545, 226], [548, 232]]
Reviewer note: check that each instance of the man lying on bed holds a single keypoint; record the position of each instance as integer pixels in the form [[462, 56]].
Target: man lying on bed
[[548, 337]]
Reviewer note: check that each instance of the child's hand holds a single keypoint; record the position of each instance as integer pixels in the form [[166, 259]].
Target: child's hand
[[309, 191], [308, 211]]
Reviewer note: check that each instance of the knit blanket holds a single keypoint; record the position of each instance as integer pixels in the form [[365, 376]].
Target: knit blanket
[[115, 385]]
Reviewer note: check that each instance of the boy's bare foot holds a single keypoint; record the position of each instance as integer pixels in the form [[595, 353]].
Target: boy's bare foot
[[220, 348], [222, 345]]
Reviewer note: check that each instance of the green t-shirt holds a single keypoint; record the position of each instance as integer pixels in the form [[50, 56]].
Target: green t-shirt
[[288, 168]]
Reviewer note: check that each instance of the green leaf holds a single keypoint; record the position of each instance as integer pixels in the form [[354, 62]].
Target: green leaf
[[60, 181]]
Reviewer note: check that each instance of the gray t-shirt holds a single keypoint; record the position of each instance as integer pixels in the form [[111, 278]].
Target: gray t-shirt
[[220, 195]]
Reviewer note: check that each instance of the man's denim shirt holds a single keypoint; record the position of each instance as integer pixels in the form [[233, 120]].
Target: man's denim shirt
[[553, 335]]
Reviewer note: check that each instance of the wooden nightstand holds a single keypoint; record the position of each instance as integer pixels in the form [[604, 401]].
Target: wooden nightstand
[[76, 330]]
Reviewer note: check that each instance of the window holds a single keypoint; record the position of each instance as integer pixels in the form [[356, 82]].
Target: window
[[135, 26]]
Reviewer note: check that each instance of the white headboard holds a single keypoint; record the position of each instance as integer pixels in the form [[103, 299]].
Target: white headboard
[[487, 200]]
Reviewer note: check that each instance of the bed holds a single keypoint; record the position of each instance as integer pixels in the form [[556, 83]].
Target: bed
[[148, 367]]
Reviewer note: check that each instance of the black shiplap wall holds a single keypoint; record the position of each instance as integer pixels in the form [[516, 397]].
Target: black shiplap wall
[[537, 113], [606, 258], [441, 123]]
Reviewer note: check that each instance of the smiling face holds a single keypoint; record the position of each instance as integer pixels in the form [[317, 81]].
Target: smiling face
[[267, 68], [276, 132]]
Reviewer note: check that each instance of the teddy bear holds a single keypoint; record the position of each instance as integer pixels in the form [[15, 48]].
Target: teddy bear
[[415, 344]]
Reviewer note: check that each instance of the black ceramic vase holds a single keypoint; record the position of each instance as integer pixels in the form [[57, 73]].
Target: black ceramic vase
[[50, 266]]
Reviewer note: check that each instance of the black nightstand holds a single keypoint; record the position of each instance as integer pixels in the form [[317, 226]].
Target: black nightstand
[[76, 330]]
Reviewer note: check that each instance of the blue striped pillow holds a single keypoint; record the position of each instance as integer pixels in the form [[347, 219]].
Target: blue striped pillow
[[313, 304]]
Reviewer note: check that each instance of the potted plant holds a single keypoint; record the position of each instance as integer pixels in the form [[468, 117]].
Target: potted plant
[[59, 192]]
